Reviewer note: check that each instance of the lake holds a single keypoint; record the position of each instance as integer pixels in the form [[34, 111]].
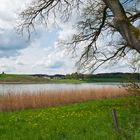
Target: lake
[[4, 88]]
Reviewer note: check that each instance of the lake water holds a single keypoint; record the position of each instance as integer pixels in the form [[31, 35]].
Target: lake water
[[4, 88]]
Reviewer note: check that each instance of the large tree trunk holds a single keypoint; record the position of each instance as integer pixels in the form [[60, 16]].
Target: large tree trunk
[[129, 32]]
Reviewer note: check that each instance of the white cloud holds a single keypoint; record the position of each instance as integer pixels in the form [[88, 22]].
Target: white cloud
[[41, 55], [9, 10], [66, 31], [10, 43]]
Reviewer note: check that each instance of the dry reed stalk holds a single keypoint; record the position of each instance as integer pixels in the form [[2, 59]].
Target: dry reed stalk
[[40, 99]]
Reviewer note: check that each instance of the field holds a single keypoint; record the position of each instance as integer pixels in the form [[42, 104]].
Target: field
[[15, 78], [82, 121], [69, 115]]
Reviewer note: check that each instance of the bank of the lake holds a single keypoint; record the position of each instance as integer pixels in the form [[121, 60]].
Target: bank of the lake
[[84, 121]]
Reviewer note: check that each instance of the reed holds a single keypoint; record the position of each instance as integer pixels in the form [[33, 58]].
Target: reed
[[40, 99]]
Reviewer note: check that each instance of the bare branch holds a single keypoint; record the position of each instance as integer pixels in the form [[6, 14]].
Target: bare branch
[[134, 17]]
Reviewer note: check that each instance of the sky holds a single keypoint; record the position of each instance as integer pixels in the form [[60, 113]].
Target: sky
[[42, 54]]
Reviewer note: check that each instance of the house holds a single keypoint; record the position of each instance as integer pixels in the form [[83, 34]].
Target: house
[[56, 76]]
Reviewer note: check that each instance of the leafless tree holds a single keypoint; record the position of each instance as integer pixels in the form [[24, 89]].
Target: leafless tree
[[118, 19]]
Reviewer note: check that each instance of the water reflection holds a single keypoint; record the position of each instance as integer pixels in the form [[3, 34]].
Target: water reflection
[[4, 88]]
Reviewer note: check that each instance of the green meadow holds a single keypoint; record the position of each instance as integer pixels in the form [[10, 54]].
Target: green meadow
[[82, 121], [21, 78]]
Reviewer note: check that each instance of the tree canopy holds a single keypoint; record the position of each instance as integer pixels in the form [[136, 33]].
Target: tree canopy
[[116, 21]]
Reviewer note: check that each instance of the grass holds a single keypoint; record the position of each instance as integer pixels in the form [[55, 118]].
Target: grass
[[15, 78], [91, 120], [25, 100]]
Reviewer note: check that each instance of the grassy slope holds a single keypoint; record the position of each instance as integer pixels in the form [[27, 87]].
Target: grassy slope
[[85, 121], [15, 78]]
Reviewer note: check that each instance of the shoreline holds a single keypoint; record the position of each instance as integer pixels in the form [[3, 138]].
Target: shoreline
[[61, 82]]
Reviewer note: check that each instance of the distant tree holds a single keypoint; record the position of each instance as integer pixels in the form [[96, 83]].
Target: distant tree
[[88, 76], [68, 76], [97, 19]]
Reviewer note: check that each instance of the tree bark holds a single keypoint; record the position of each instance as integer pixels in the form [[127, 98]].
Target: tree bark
[[129, 32]]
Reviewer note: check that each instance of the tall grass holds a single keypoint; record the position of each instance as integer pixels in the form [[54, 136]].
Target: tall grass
[[41, 99]]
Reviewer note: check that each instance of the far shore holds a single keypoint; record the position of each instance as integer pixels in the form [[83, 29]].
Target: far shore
[[37, 79]]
